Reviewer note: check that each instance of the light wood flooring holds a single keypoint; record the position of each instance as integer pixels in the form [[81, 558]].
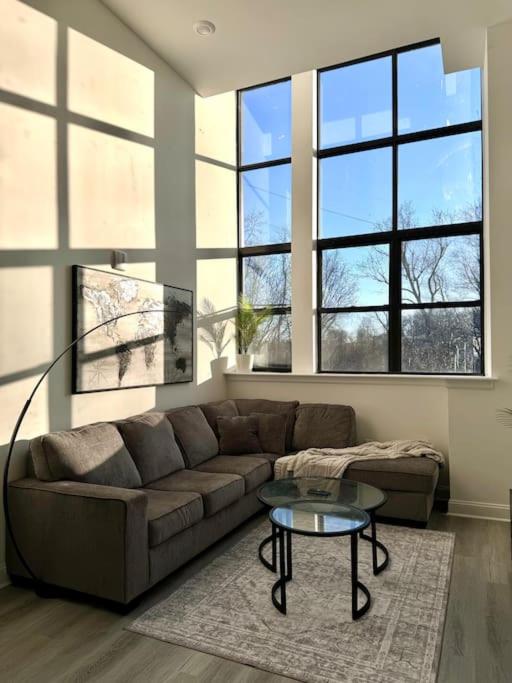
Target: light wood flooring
[[60, 640]]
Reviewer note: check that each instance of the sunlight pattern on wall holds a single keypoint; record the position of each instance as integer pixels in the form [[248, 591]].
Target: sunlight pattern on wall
[[28, 180], [216, 233], [108, 86], [28, 46], [111, 191]]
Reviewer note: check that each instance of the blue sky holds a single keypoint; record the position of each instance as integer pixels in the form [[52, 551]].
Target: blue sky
[[355, 105]]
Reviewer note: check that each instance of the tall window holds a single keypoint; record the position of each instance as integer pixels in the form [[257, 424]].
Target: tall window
[[264, 199], [400, 216]]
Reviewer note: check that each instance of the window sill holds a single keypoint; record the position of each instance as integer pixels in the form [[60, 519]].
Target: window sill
[[451, 381]]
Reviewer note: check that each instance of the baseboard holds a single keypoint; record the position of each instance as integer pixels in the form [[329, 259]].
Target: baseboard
[[472, 508], [4, 576]]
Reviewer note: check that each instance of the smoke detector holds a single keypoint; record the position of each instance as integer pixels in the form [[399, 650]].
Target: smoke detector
[[204, 28]]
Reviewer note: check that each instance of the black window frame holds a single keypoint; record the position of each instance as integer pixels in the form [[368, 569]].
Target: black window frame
[[265, 249], [395, 236]]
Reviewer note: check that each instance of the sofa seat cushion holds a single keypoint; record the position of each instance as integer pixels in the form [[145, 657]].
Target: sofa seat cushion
[[217, 490], [271, 457], [253, 469], [323, 425], [248, 406], [417, 475], [150, 439], [168, 513], [194, 434], [93, 454]]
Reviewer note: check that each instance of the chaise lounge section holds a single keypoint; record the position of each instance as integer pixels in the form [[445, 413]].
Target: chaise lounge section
[[111, 509]]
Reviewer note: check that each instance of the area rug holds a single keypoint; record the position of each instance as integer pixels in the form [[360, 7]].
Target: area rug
[[226, 610]]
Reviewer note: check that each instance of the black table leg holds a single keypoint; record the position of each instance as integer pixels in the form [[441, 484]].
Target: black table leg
[[285, 568], [272, 565], [357, 613], [377, 568], [289, 572]]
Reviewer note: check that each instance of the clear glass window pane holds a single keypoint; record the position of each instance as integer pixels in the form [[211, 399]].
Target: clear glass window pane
[[272, 347], [267, 279], [442, 340], [440, 181], [355, 103], [355, 193], [266, 123], [427, 98], [445, 269], [355, 276], [354, 342], [266, 205]]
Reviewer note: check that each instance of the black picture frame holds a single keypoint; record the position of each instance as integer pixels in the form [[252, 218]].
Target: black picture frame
[[176, 362]]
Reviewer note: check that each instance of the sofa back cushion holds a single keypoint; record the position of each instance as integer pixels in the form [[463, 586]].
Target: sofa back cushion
[[238, 435], [218, 409], [247, 406], [93, 454], [150, 441], [194, 434], [324, 425]]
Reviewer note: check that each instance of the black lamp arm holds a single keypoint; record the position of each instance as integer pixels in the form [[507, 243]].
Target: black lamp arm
[[21, 416]]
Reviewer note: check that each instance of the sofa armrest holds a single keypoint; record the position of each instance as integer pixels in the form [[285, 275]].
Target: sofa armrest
[[86, 537]]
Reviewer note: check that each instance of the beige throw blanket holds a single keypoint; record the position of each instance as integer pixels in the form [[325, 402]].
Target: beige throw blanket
[[332, 462]]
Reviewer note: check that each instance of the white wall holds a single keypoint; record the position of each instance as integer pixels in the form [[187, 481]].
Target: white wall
[[97, 152], [459, 416]]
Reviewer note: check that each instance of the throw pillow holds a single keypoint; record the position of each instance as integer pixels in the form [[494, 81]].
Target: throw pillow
[[272, 432], [248, 406], [220, 408], [238, 435]]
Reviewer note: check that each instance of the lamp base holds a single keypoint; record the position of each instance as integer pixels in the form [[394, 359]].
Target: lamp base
[[44, 590]]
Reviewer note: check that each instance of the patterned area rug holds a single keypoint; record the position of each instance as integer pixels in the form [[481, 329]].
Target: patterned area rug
[[226, 610]]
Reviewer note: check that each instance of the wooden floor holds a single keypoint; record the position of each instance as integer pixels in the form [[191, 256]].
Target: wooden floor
[[63, 640]]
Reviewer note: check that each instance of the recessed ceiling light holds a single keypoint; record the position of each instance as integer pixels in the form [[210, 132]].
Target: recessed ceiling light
[[204, 28]]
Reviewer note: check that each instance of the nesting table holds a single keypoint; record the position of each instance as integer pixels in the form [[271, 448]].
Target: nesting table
[[320, 506]]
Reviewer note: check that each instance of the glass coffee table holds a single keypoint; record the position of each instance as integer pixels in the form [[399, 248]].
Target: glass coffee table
[[321, 519], [368, 498]]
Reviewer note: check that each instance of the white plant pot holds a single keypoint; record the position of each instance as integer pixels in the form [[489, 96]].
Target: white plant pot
[[244, 362], [219, 365]]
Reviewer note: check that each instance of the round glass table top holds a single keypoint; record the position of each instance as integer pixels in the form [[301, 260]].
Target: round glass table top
[[283, 491], [316, 518]]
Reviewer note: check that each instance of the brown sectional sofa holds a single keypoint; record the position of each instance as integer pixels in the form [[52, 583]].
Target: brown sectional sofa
[[110, 509]]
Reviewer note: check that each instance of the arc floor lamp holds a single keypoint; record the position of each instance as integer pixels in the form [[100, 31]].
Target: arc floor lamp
[[41, 588]]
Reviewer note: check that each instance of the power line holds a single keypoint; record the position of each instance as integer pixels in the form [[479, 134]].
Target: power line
[[332, 211]]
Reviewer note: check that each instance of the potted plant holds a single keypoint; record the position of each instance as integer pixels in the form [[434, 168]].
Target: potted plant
[[248, 321]]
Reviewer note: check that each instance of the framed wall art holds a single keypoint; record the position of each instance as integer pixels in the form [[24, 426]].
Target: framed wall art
[[153, 345]]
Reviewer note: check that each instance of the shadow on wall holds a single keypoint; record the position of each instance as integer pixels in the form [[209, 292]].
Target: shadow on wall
[[96, 153], [216, 229]]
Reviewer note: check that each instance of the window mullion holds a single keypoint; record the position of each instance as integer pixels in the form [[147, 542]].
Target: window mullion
[[395, 274]]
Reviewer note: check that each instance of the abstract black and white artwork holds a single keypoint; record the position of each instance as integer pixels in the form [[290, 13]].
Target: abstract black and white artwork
[[152, 344]]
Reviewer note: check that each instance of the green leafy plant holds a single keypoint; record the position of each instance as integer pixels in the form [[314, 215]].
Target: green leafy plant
[[248, 321]]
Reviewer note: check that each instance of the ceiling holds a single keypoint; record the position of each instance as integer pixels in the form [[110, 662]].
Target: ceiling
[[260, 40]]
